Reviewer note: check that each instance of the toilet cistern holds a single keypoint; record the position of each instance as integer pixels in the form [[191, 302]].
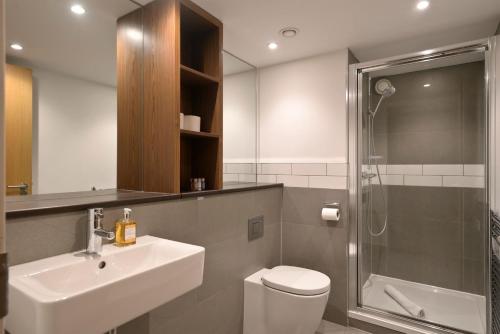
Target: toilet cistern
[[96, 232]]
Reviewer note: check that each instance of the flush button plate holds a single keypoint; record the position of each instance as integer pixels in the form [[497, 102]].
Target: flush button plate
[[255, 228]]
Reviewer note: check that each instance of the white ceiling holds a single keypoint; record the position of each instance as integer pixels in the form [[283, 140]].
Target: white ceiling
[[54, 38], [370, 28], [85, 46], [233, 65]]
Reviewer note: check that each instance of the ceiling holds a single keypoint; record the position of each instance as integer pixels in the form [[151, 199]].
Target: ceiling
[[85, 46], [370, 28], [233, 65], [56, 39]]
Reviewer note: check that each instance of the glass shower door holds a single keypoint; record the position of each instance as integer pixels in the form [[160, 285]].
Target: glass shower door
[[423, 192]]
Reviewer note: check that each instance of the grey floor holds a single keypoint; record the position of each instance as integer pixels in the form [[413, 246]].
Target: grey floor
[[331, 328]]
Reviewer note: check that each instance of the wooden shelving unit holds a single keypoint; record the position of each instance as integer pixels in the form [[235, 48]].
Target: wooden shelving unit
[[194, 77], [194, 134], [201, 91], [182, 72]]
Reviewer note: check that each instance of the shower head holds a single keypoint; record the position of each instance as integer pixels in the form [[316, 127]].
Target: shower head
[[385, 88]]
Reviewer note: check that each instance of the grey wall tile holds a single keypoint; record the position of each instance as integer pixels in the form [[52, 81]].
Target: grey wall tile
[[136, 326], [428, 227], [312, 243], [473, 276], [440, 124], [303, 205], [30, 239], [319, 248], [219, 223]]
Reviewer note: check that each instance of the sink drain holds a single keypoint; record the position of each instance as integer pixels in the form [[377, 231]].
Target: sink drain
[[102, 264]]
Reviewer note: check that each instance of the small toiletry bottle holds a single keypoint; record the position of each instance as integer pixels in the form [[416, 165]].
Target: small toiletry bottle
[[125, 230]]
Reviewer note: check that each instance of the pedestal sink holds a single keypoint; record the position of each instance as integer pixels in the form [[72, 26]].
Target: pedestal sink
[[82, 294]]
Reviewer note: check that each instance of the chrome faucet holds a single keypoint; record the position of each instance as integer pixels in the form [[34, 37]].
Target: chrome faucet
[[96, 232]]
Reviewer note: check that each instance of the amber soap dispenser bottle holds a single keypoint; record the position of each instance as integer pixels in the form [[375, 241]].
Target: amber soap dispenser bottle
[[125, 230]]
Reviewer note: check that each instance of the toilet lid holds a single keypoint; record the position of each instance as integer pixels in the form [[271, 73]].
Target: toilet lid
[[299, 281]]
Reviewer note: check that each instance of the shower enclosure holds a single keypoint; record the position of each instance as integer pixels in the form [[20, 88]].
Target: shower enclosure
[[419, 192]]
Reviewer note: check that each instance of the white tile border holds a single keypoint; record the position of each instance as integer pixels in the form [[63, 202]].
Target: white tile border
[[301, 181], [335, 175], [309, 169], [443, 169], [404, 169], [328, 182], [463, 181], [325, 175], [429, 175]]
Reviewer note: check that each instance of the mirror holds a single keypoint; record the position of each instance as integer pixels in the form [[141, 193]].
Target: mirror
[[240, 120], [61, 103]]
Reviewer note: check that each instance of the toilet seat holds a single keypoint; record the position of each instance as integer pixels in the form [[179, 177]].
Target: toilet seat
[[295, 280]]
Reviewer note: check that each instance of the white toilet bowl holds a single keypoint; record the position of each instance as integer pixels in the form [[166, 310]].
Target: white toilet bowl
[[285, 300]]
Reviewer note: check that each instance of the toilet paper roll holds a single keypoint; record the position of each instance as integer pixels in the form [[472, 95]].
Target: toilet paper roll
[[192, 123], [330, 214], [182, 121]]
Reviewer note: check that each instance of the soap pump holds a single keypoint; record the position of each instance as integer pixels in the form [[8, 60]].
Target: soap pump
[[125, 230]]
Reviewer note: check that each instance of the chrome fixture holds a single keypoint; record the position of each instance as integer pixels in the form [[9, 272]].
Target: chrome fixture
[[96, 232], [369, 176], [23, 188], [385, 89]]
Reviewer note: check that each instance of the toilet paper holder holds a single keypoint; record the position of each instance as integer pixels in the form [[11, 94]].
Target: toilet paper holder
[[327, 207], [334, 205]]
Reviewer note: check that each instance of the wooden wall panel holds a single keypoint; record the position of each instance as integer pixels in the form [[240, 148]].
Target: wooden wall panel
[[162, 96], [162, 161], [18, 127], [130, 102]]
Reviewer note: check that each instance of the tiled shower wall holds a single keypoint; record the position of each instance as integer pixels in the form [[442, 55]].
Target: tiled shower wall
[[431, 140]]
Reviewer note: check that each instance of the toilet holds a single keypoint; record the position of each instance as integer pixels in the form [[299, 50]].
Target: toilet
[[284, 300]]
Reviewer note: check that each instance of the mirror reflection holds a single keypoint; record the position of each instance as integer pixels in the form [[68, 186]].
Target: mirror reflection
[[61, 104], [240, 120]]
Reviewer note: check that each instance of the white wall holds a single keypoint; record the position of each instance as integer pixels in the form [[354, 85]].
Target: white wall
[[240, 117], [302, 110], [75, 134]]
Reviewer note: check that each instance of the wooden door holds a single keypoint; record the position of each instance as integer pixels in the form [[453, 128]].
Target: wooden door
[[18, 128]]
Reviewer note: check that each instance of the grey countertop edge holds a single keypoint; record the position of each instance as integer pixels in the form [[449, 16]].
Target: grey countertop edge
[[155, 197], [232, 189]]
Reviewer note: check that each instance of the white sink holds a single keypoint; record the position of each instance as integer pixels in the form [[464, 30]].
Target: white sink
[[70, 293]]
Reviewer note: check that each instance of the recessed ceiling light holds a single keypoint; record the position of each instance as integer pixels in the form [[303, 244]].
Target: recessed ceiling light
[[272, 46], [78, 9], [423, 4], [427, 85], [16, 46], [289, 32]]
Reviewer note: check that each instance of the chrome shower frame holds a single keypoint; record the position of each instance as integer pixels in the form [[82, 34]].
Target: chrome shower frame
[[355, 253]]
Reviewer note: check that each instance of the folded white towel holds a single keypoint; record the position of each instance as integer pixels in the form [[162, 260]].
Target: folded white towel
[[405, 303]]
